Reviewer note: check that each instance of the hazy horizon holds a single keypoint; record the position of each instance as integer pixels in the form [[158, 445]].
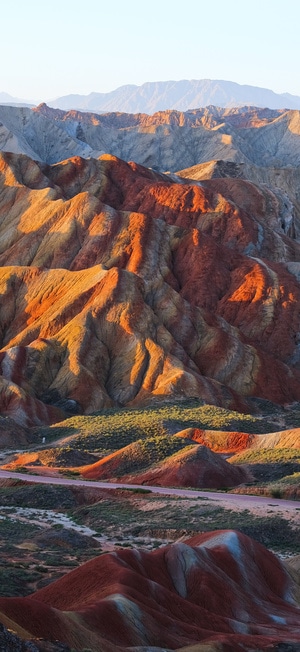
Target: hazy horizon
[[29, 100], [70, 48]]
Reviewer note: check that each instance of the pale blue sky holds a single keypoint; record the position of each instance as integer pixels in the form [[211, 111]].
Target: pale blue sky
[[79, 46]]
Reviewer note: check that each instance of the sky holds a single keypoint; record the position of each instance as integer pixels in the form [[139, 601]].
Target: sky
[[61, 47]]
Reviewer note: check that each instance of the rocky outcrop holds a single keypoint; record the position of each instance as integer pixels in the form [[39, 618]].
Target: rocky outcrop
[[168, 140], [168, 599], [119, 286], [209, 117], [219, 441], [260, 145], [283, 182]]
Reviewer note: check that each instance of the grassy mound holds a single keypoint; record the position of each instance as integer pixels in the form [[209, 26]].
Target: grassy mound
[[267, 456], [136, 457], [116, 428]]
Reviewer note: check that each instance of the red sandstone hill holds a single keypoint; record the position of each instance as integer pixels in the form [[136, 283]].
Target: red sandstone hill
[[192, 466], [196, 466], [220, 588], [221, 441], [119, 286]]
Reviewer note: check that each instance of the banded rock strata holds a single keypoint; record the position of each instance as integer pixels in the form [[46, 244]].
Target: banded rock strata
[[220, 590], [120, 285]]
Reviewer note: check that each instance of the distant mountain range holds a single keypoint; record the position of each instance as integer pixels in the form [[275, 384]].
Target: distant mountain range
[[180, 95], [5, 98]]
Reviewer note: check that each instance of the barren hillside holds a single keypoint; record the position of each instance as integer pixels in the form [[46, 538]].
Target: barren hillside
[[119, 285], [166, 140], [168, 599]]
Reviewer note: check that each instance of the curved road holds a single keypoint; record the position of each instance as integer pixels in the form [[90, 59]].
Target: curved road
[[241, 501]]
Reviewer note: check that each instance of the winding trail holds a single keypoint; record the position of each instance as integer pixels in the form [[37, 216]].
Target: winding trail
[[229, 501]]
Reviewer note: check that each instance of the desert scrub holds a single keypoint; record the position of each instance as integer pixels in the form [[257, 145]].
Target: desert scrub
[[110, 517], [292, 417], [271, 531], [66, 456], [146, 452], [276, 492], [293, 479], [15, 532], [114, 428], [266, 456], [269, 465], [15, 581], [40, 496], [136, 490]]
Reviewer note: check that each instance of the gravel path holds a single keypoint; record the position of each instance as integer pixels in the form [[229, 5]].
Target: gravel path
[[258, 504]]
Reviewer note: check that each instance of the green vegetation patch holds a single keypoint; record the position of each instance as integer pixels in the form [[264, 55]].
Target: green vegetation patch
[[16, 581], [41, 496], [124, 520], [106, 513], [270, 464], [115, 428], [267, 456], [293, 479], [273, 532], [16, 531], [146, 452]]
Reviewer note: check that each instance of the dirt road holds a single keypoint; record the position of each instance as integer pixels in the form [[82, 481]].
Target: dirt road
[[256, 504]]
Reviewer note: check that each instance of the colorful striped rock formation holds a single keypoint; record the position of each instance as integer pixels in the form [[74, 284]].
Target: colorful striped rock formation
[[217, 591], [120, 286]]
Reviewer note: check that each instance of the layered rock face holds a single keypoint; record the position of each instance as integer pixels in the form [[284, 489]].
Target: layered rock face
[[119, 286], [167, 140], [219, 589], [260, 145]]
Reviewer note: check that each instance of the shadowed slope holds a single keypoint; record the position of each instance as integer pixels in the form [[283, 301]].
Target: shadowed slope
[[169, 598]]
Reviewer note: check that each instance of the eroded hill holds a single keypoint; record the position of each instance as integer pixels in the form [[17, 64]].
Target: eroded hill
[[166, 140], [120, 285], [167, 599]]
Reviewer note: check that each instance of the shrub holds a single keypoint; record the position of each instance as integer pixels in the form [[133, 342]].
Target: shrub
[[276, 492]]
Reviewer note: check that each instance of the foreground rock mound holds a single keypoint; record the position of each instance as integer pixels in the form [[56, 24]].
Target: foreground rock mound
[[193, 466], [220, 587], [119, 286]]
